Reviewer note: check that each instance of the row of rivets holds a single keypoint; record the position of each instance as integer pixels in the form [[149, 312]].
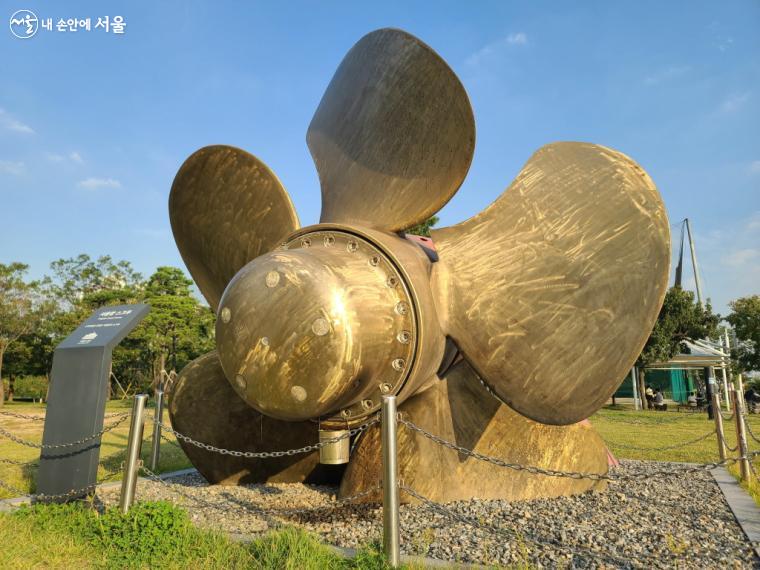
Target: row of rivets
[[321, 327]]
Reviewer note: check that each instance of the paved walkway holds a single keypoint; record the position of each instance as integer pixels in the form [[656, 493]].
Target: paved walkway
[[746, 511]]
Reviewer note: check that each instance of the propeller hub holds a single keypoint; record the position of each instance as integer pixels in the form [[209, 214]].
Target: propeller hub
[[323, 325]]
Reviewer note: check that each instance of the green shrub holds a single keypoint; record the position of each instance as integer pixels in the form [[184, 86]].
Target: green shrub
[[30, 387], [147, 532]]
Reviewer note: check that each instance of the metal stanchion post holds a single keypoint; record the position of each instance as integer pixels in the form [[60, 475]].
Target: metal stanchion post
[[155, 449], [390, 482], [741, 435], [129, 481], [719, 428]]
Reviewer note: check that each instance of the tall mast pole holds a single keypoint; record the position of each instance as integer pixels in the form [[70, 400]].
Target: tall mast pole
[[694, 264]]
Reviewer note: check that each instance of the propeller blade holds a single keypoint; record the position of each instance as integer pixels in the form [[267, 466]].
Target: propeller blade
[[226, 208], [552, 291], [203, 406], [460, 410], [393, 136]]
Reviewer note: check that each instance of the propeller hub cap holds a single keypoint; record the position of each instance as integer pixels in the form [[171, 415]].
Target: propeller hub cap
[[322, 326]]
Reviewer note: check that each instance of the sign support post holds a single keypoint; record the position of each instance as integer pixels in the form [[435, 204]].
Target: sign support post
[[77, 399]]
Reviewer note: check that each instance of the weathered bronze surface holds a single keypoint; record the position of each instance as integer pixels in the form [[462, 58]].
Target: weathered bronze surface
[[549, 293], [393, 136], [226, 208], [552, 291], [322, 326], [460, 410], [203, 406]]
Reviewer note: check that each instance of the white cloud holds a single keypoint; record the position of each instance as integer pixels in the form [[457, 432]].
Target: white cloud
[[73, 156], [95, 183], [734, 102], [753, 223], [667, 74], [515, 39], [754, 167], [729, 260], [741, 257], [10, 167], [724, 43], [11, 124]]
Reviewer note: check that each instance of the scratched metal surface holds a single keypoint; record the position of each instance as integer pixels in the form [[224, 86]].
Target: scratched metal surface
[[204, 406], [226, 208], [460, 410], [393, 136], [552, 291], [317, 329]]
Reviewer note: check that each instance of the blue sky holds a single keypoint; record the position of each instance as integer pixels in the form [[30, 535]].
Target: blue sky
[[94, 125]]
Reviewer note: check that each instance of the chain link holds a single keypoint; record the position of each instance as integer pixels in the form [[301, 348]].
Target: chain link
[[728, 447], [268, 454], [749, 429], [663, 448], [659, 419], [27, 443], [567, 474], [23, 416], [15, 462], [42, 418], [41, 497], [281, 512]]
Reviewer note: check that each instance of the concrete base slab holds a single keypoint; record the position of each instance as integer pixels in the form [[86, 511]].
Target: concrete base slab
[[745, 510]]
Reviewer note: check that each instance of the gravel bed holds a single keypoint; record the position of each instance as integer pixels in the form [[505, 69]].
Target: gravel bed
[[661, 522]]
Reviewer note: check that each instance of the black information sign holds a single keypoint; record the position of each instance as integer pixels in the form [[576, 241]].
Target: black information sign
[[77, 398]]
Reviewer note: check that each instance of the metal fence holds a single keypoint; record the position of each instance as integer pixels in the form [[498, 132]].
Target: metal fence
[[128, 463]]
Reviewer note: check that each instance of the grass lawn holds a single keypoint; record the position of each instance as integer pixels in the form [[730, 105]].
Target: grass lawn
[[156, 535], [621, 428], [113, 442], [75, 536]]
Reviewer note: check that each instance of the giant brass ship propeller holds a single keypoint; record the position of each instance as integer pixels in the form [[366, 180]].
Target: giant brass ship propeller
[[502, 333]]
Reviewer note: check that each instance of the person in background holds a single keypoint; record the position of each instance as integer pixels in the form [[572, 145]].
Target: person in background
[[659, 401], [752, 399], [649, 395]]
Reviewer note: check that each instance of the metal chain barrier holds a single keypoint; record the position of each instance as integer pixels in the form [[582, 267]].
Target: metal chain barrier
[[664, 447], [660, 420], [280, 512], [269, 454], [42, 418], [728, 447], [569, 474], [23, 416], [18, 463], [14, 438], [749, 429]]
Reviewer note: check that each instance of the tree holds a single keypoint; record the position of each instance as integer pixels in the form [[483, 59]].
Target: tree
[[177, 329], [19, 308], [680, 318], [83, 285], [745, 319], [424, 228]]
